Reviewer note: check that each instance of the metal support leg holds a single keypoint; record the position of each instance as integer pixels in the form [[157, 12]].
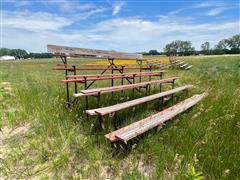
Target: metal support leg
[[139, 62], [64, 60], [111, 61], [100, 120], [86, 97], [75, 73], [98, 99], [140, 78], [160, 86], [133, 83], [173, 94], [147, 86], [149, 79], [115, 121], [122, 78]]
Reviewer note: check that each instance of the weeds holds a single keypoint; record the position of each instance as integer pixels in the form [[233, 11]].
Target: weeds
[[60, 143]]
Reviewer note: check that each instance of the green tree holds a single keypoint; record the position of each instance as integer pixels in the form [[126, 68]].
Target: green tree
[[153, 52], [221, 47], [179, 47], [19, 53], [234, 43], [205, 48], [5, 51]]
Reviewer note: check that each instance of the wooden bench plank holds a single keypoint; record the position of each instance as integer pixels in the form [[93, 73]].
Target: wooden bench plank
[[96, 65], [74, 51], [103, 90], [175, 61], [100, 78], [184, 65], [110, 109], [87, 69], [137, 128], [107, 75], [189, 67], [99, 68]]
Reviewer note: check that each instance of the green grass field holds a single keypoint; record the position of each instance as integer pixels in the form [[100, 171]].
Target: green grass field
[[41, 138]]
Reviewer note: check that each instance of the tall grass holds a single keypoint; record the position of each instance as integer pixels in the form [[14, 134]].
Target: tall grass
[[63, 143]]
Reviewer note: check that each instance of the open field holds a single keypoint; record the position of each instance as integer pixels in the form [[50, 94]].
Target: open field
[[41, 138]]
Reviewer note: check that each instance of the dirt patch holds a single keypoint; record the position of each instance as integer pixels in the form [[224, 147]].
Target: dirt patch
[[7, 133]]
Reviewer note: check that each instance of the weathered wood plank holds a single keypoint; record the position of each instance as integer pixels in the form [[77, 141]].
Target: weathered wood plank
[[184, 65], [99, 68], [95, 91], [110, 109], [110, 77], [189, 67], [137, 128], [73, 51], [107, 75]]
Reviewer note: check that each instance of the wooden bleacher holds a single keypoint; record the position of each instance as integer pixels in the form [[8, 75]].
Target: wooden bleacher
[[78, 52], [137, 128], [131, 131], [82, 78], [92, 92], [180, 64], [156, 73], [157, 64], [111, 109]]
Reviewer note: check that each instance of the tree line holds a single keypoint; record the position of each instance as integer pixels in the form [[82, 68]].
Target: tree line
[[185, 48], [22, 54]]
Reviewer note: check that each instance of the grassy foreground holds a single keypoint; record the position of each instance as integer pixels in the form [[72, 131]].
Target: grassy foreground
[[41, 138]]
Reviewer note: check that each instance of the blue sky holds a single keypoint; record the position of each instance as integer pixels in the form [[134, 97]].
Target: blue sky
[[131, 26]]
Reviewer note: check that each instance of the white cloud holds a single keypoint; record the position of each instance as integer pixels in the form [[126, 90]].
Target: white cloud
[[33, 31], [216, 11], [217, 8], [35, 22], [135, 34], [68, 6], [210, 4], [18, 3], [117, 7]]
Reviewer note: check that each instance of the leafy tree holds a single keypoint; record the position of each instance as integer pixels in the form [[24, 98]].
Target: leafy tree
[[205, 48], [179, 47], [234, 44], [221, 47], [19, 53], [153, 52], [5, 52]]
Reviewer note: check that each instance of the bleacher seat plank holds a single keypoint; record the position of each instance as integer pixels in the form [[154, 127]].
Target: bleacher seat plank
[[176, 61], [107, 75], [110, 109], [96, 68], [138, 128], [180, 63], [87, 69], [96, 65], [184, 65], [95, 91], [74, 51], [110, 77], [189, 67]]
